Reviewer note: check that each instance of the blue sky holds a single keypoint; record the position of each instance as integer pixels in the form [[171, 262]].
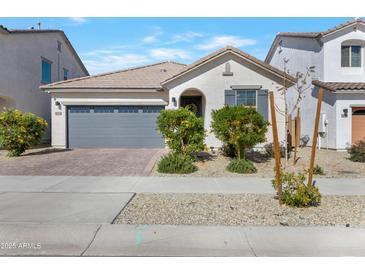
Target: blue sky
[[108, 44]]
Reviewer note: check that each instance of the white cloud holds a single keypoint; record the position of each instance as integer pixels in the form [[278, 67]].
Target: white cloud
[[224, 40], [150, 39], [153, 38], [108, 60], [79, 20], [168, 53], [185, 37]]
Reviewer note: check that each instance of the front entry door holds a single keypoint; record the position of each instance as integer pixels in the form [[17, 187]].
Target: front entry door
[[193, 102]]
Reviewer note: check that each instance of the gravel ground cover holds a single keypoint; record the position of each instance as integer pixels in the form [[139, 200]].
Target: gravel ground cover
[[240, 210], [334, 163]]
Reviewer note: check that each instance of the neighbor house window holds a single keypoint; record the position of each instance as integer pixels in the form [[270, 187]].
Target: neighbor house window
[[351, 56], [46, 71], [59, 46], [65, 74], [246, 98]]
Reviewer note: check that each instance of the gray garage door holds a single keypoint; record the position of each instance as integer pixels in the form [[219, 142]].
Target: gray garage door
[[113, 126]]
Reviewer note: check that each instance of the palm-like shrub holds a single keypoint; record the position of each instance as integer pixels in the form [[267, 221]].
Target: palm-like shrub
[[241, 166], [177, 163], [20, 131]]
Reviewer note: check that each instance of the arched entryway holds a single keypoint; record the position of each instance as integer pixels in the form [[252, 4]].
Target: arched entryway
[[194, 99]]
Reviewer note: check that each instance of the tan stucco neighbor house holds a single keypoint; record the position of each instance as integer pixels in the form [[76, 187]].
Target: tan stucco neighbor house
[[30, 58], [119, 109]]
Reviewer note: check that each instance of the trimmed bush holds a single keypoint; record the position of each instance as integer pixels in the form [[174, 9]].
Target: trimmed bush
[[239, 127], [357, 152], [176, 163], [269, 150], [20, 131], [241, 166], [295, 192], [318, 170], [182, 129]]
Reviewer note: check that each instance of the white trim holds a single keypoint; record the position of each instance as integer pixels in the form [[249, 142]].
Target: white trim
[[98, 90], [124, 102]]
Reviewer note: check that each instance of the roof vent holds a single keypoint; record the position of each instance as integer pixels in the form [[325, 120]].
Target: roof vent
[[163, 70]]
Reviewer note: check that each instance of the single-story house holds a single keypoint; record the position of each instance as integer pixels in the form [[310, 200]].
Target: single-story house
[[119, 109]]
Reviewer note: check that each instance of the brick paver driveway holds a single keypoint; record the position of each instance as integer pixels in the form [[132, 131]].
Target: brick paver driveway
[[82, 162]]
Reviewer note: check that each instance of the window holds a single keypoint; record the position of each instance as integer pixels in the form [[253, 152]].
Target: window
[[246, 97], [103, 109], [351, 56], [59, 45], [65, 74], [46, 71], [79, 109]]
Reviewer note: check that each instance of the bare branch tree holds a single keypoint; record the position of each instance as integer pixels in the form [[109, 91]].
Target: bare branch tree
[[302, 84]]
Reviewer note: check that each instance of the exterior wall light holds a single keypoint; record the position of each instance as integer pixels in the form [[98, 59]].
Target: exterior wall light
[[345, 112], [174, 101]]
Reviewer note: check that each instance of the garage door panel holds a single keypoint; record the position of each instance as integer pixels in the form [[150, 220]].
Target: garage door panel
[[116, 142], [125, 126]]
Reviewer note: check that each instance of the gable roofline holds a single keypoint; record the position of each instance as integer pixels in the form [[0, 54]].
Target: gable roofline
[[58, 85], [3, 29], [310, 35], [237, 52], [63, 35]]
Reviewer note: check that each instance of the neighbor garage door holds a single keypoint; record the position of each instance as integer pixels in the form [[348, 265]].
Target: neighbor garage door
[[113, 126], [358, 124]]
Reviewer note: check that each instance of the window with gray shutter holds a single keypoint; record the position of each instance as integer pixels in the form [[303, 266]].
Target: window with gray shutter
[[230, 97], [263, 103]]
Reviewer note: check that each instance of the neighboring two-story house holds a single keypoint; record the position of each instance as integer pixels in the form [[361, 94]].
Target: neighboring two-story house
[[338, 57], [30, 58]]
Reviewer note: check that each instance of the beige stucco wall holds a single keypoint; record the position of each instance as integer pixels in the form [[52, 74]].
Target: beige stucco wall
[[20, 70], [210, 81]]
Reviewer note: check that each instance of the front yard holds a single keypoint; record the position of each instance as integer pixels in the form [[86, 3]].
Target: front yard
[[334, 163], [240, 210]]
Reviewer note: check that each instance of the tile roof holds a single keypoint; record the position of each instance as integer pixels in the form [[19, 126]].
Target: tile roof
[[68, 43], [340, 86], [145, 77], [240, 53], [322, 33], [313, 35]]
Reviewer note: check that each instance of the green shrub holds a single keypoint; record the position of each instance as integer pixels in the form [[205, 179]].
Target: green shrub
[[295, 192], [239, 127], [269, 150], [241, 166], [318, 170], [176, 163], [182, 129], [357, 152], [20, 131]]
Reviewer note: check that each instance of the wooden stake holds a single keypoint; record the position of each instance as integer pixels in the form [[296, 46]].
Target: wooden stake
[[315, 136], [296, 137], [276, 146]]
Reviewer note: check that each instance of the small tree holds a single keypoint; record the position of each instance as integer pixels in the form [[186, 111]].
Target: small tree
[[20, 131], [239, 126], [182, 129], [302, 84]]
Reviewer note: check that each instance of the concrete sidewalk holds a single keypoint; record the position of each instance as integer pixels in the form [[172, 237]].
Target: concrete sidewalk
[[101, 184], [165, 240]]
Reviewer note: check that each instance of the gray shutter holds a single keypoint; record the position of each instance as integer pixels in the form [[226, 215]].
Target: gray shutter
[[229, 97], [263, 103]]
